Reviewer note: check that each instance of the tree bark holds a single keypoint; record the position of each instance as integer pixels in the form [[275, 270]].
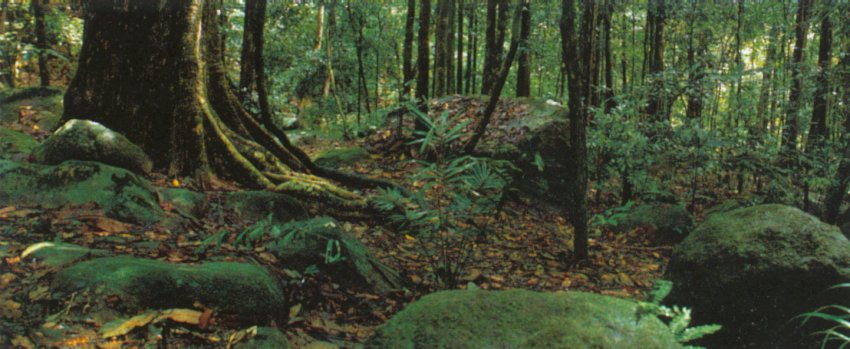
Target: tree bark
[[838, 190], [320, 21], [581, 68], [523, 77], [657, 101], [768, 72], [450, 48], [153, 72], [246, 60], [407, 60], [494, 40], [459, 62], [422, 53], [790, 129], [818, 132], [441, 48], [38, 7]]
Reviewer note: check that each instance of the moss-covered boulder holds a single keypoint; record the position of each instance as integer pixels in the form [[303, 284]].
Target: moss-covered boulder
[[90, 141], [324, 243], [264, 338], [15, 145], [185, 201], [59, 254], [335, 158], [120, 193], [240, 289], [521, 319], [256, 205], [754, 269], [669, 223]]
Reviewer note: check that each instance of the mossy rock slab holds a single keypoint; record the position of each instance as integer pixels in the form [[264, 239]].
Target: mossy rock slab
[[185, 201], [521, 319], [240, 289], [355, 268], [15, 145], [120, 193], [669, 224], [336, 158], [90, 141], [754, 269], [265, 338], [256, 205], [60, 254]]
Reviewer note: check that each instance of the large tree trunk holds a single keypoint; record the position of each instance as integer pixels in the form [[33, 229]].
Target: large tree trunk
[[153, 71], [441, 48], [246, 60]]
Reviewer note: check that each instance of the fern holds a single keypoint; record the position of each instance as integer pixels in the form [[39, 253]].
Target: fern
[[678, 319]]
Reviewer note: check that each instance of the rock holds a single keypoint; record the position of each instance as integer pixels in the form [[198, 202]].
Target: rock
[[521, 319], [15, 145], [60, 254], [336, 158], [256, 205], [754, 269], [670, 224], [265, 338], [845, 229], [185, 201], [240, 289], [91, 141], [355, 266], [120, 193]]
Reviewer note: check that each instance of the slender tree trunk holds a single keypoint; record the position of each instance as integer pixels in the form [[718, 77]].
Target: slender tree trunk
[[838, 191], [768, 72], [329, 77], [441, 48], [258, 30], [422, 64], [581, 68], [38, 7], [450, 48], [523, 77], [459, 59], [408, 70], [696, 71], [355, 19], [657, 104], [790, 130], [498, 84], [472, 70], [818, 131], [494, 40], [320, 21], [608, 94], [246, 60]]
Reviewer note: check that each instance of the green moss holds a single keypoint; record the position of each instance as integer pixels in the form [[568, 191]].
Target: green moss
[[59, 254], [120, 193], [521, 319], [15, 145], [764, 264], [186, 201], [233, 288], [357, 268], [344, 156]]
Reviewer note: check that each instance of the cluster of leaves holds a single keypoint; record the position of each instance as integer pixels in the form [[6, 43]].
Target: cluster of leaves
[[678, 319], [454, 208], [267, 230]]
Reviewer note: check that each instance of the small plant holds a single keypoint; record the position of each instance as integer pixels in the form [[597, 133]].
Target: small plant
[[455, 206], [677, 318], [836, 314], [284, 234], [611, 216]]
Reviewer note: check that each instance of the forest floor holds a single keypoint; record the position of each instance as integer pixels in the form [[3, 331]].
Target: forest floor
[[526, 251]]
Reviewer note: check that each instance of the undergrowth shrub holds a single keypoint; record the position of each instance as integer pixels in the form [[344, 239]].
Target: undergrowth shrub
[[677, 318]]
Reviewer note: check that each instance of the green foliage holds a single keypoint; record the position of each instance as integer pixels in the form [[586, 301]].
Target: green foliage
[[454, 207], [677, 318], [838, 315], [266, 230], [611, 216]]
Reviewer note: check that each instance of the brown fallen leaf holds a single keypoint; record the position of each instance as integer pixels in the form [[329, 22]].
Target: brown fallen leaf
[[122, 327]]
